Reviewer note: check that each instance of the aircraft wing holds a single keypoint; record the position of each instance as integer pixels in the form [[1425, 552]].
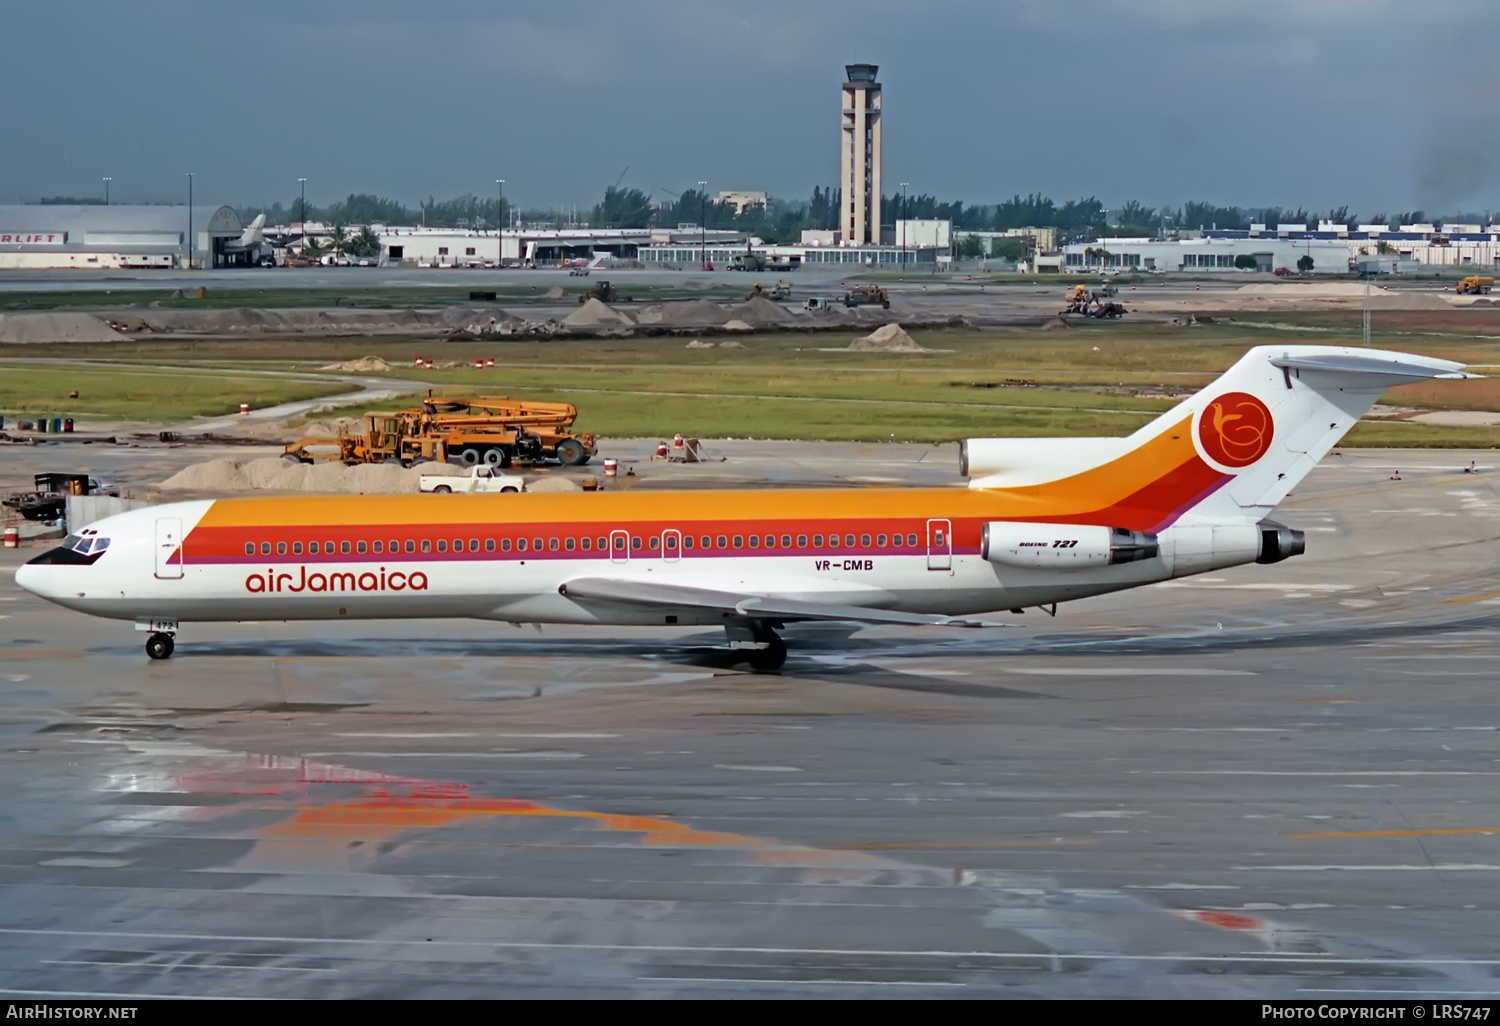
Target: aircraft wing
[[755, 607]]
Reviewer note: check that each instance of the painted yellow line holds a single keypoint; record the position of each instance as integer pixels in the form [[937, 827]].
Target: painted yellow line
[[1472, 598], [1400, 833], [919, 845]]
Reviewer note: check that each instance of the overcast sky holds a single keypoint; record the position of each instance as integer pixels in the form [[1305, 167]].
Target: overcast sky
[[1381, 104]]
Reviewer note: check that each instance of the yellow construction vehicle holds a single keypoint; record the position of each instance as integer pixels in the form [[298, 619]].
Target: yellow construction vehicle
[[1476, 284], [859, 295], [494, 430]]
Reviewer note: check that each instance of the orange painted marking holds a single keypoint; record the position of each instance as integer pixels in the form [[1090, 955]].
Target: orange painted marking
[[1224, 920], [1399, 833]]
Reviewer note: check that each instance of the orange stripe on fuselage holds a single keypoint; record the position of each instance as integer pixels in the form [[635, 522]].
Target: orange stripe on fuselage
[[1143, 490]]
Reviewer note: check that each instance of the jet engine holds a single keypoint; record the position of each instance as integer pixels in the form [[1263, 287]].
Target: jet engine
[[1064, 546]]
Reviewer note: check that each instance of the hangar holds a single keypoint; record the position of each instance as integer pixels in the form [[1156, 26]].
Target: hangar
[[43, 236]]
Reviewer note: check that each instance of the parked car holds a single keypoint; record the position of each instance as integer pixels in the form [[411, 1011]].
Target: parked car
[[1282, 272]]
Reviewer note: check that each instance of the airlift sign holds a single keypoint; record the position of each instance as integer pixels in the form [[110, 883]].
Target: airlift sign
[[33, 238]]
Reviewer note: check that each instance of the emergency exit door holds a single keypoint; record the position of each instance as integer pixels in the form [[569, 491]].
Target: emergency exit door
[[168, 547], [939, 545]]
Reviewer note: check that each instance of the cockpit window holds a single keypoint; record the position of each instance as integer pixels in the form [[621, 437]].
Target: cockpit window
[[100, 544], [77, 543]]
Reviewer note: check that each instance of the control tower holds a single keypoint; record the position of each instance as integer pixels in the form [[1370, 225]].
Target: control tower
[[859, 160]]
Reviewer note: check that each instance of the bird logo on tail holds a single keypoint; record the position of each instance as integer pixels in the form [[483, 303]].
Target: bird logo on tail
[[1235, 429]]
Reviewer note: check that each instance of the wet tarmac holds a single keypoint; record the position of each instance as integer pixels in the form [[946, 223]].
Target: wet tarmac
[[1265, 782]]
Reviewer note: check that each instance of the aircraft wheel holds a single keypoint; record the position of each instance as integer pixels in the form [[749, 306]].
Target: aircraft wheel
[[160, 646], [770, 658]]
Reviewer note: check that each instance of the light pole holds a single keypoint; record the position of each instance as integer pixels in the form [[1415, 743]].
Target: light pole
[[903, 225], [191, 247], [106, 190], [500, 225], [703, 224], [302, 215]]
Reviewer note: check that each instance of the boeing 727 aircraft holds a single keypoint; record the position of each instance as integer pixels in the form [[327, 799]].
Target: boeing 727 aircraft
[[1042, 521]]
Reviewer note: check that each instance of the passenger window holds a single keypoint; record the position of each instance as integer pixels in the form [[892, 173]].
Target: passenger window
[[864, 541], [249, 548], [739, 541], [770, 541], [442, 544], [786, 541], [489, 545], [635, 543], [552, 544], [896, 540], [755, 541], [880, 541], [265, 548], [937, 537], [377, 547], [312, 548], [360, 547], [536, 545], [817, 541], [458, 544], [328, 548], [411, 546], [344, 548], [655, 543], [473, 544], [426, 544], [395, 546], [603, 543], [911, 540], [848, 541], [296, 548], [723, 542], [585, 542], [520, 544], [705, 542], [281, 548], [687, 541], [504, 544], [569, 544], [801, 541]]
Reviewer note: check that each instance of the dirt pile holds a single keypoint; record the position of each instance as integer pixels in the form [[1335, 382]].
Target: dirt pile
[[363, 365], [555, 292], [275, 474], [698, 343], [1334, 293], [24, 328], [554, 484], [695, 313], [595, 314], [738, 325], [761, 312], [890, 338]]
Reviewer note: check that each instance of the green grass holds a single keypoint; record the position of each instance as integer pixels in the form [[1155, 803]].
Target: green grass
[[140, 394], [1086, 380]]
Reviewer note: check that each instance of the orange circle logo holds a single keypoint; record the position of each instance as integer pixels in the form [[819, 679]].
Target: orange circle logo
[[1235, 429]]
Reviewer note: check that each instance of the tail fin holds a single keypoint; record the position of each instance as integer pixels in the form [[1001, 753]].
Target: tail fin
[[1234, 450]]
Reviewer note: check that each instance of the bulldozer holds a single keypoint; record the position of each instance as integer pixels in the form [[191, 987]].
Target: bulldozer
[[781, 290], [860, 295], [494, 430], [604, 292]]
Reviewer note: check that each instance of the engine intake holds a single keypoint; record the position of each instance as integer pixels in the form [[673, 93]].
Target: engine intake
[[1064, 546]]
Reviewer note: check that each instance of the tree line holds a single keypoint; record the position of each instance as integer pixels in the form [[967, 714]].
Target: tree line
[[783, 220]]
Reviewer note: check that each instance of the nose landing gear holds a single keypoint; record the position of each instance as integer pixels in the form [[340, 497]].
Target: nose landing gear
[[160, 646]]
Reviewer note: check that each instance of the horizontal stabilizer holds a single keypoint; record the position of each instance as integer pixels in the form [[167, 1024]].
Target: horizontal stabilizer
[[1383, 364], [755, 607]]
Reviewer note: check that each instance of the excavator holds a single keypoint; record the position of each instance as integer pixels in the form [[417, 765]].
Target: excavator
[[1093, 304]]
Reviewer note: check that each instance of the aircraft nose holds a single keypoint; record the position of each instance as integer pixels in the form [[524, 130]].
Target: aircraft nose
[[34, 579]]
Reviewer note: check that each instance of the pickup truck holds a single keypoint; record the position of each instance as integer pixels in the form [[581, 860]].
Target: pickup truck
[[480, 479]]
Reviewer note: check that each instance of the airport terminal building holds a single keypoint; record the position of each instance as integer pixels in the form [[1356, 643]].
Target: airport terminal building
[[46, 236]]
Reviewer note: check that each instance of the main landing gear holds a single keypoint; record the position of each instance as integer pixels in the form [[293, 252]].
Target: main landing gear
[[763, 647], [160, 646]]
